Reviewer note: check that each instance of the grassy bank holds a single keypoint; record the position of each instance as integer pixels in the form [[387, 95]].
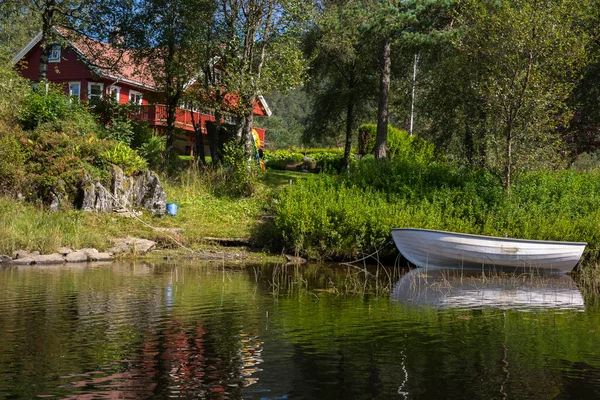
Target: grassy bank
[[350, 215], [202, 213]]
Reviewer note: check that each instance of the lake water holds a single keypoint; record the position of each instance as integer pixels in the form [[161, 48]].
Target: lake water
[[305, 332]]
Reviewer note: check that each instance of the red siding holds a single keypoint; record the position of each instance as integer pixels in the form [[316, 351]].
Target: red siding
[[70, 68]]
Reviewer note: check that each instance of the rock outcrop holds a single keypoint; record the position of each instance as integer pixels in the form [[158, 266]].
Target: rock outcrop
[[142, 191]]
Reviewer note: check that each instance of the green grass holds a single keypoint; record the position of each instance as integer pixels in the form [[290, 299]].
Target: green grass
[[277, 179]]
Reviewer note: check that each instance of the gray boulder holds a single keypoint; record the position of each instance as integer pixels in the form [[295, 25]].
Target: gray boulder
[[22, 261], [104, 202], [100, 257], [88, 194], [48, 259], [131, 245], [76, 256], [5, 259]]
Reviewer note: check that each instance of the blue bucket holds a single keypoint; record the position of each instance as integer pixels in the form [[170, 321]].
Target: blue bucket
[[171, 208]]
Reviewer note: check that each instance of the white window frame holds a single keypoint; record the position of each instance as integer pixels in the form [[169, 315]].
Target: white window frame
[[117, 92], [89, 93], [133, 93], [54, 55], [78, 95]]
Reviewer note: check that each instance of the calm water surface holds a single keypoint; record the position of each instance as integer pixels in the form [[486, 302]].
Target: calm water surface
[[273, 332]]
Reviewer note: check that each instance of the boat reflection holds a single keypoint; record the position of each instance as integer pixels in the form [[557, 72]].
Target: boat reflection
[[451, 288]]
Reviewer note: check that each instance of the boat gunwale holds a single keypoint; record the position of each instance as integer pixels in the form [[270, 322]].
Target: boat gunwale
[[486, 237]]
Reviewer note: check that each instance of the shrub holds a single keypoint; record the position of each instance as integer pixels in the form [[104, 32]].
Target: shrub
[[41, 105], [241, 174], [12, 159], [57, 161], [399, 144], [13, 88], [153, 150], [279, 159], [125, 157]]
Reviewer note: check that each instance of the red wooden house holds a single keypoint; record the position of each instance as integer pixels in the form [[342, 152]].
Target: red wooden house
[[89, 69]]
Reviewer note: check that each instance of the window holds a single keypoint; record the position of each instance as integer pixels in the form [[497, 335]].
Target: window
[[54, 56], [135, 97], [75, 90], [114, 92], [95, 91]]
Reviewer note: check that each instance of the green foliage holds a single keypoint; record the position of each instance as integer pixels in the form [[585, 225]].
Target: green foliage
[[322, 217], [41, 105], [328, 160], [286, 125], [12, 159], [13, 88], [57, 161], [399, 144], [586, 162], [279, 159], [125, 157], [153, 150], [241, 173], [353, 213]]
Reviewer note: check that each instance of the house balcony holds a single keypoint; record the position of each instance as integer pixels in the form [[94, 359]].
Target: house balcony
[[156, 116]]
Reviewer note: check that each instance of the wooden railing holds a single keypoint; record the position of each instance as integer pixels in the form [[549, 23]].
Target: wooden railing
[[156, 115]]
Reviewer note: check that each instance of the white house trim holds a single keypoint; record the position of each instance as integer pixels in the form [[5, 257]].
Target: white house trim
[[265, 105], [89, 92], [133, 93], [27, 48]]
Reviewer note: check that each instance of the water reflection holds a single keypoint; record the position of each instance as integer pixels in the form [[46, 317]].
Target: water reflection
[[451, 288], [193, 331]]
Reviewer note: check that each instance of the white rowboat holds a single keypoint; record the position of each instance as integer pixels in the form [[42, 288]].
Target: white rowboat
[[424, 247]]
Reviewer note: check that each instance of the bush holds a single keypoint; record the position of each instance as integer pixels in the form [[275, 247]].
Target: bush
[[57, 162], [353, 213], [12, 159], [153, 150], [399, 144], [41, 105], [125, 157], [13, 88], [241, 174], [280, 159]]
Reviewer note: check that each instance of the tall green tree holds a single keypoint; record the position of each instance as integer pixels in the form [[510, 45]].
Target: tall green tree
[[262, 41], [165, 37], [343, 74], [19, 23], [401, 27], [530, 56]]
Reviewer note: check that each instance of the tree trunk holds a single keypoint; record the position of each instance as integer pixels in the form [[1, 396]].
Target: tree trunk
[[349, 123], [199, 142], [384, 97], [46, 47], [215, 154], [171, 117], [248, 139], [508, 167]]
